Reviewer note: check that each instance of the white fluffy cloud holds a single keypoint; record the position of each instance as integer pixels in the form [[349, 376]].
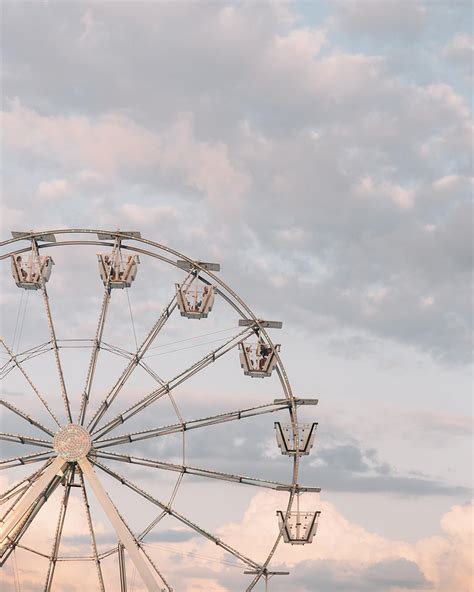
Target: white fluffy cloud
[[115, 143], [444, 561], [321, 155]]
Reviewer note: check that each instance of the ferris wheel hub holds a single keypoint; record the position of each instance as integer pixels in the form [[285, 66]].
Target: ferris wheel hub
[[72, 442]]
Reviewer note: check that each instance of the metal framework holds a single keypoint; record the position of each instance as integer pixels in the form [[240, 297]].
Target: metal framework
[[77, 448]]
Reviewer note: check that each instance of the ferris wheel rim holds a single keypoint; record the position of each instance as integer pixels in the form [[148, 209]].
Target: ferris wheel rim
[[32, 236]]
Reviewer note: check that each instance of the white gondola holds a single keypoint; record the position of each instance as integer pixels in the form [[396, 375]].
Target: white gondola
[[258, 359], [195, 300], [117, 269], [302, 444], [298, 528], [32, 271]]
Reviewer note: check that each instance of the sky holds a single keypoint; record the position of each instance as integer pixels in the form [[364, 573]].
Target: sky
[[322, 154]]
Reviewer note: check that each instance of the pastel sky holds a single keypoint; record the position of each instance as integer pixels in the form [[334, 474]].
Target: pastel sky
[[321, 152]]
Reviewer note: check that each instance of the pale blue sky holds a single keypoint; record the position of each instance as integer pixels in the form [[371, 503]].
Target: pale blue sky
[[321, 152]]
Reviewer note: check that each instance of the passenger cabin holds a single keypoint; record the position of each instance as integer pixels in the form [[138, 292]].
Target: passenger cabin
[[258, 359], [291, 445], [298, 528], [195, 299], [32, 271], [118, 271]]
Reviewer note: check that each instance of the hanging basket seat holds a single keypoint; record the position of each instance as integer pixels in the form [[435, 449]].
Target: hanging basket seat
[[258, 359], [195, 301], [116, 271], [298, 528], [291, 445], [31, 272]]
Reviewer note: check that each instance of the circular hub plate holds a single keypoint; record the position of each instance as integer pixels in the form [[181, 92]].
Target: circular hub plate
[[72, 442]]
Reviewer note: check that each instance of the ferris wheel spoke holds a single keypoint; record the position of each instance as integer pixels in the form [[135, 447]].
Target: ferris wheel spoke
[[24, 460], [53, 557], [25, 481], [52, 332], [22, 510], [25, 440], [98, 338], [206, 473], [133, 363], [15, 536], [155, 569], [19, 489], [92, 533], [204, 422], [208, 359], [15, 361], [95, 354], [124, 534], [57, 357], [26, 417], [22, 357], [178, 516]]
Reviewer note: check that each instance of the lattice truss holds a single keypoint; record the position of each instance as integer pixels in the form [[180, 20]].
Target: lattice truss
[[79, 436]]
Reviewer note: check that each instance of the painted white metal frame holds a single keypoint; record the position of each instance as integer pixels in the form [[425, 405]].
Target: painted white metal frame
[[30, 494]]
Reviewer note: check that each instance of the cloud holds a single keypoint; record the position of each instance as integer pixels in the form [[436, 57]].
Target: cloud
[[325, 163], [387, 575], [460, 50], [51, 190], [347, 467], [229, 138], [385, 21], [114, 143], [346, 557]]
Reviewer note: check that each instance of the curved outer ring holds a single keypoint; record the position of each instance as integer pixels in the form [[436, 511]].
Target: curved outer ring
[[232, 301]]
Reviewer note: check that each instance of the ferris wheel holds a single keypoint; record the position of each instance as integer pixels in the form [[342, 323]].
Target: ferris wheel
[[82, 405]]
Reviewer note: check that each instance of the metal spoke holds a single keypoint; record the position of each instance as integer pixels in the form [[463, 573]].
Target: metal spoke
[[56, 352], [52, 332], [25, 460], [25, 440], [173, 383], [26, 416], [17, 532], [18, 490], [98, 340], [278, 405], [178, 516], [92, 533], [28, 479], [29, 499], [30, 382], [24, 356], [141, 351], [188, 470], [94, 356], [123, 532], [122, 569], [59, 531], [23, 501], [155, 569]]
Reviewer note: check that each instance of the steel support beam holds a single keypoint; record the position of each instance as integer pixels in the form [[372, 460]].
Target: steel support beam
[[193, 424], [173, 383], [207, 473], [19, 511], [141, 351], [123, 533]]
